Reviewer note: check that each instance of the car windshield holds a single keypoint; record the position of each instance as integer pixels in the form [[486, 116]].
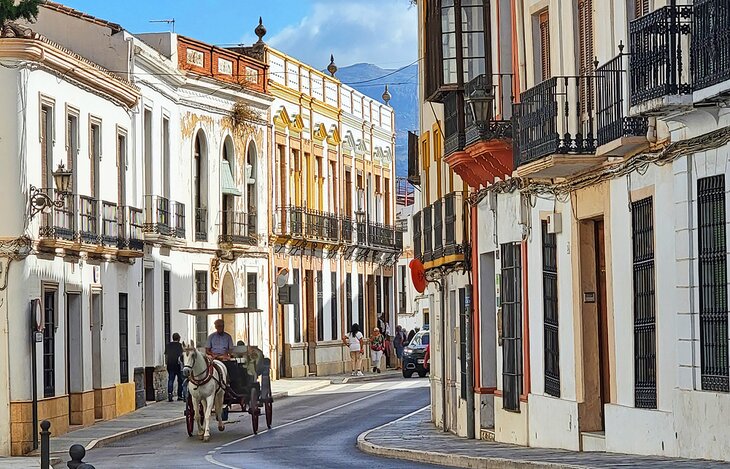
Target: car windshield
[[419, 339]]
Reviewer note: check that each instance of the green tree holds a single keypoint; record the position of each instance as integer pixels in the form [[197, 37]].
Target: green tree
[[11, 10]]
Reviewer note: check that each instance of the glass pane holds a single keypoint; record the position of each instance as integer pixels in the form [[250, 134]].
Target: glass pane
[[447, 3], [449, 45], [472, 19], [465, 3], [473, 68], [473, 45], [449, 71], [448, 20]]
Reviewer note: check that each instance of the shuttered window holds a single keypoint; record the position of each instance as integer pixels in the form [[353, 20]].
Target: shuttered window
[[544, 22], [641, 8], [511, 300], [585, 53], [550, 306], [320, 308], [713, 283], [642, 228], [123, 339]]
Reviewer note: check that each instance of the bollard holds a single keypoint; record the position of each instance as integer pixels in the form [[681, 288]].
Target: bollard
[[77, 453], [45, 445]]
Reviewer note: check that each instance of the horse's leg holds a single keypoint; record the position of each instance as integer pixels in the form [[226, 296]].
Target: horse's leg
[[208, 408], [196, 410], [219, 409]]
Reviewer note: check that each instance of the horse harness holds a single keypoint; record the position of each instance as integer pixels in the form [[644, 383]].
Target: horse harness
[[207, 375]]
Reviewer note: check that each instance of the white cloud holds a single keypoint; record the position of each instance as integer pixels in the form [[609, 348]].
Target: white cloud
[[383, 32]]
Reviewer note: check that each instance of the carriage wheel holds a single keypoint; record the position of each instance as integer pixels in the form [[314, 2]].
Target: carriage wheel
[[189, 423], [253, 409], [269, 407]]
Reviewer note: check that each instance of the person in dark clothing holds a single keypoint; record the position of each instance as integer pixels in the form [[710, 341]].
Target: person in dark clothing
[[173, 354], [410, 336]]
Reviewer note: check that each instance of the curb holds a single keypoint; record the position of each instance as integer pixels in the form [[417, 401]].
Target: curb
[[353, 379], [448, 459]]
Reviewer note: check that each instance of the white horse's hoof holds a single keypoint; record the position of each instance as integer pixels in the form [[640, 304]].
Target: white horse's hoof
[[200, 436], [221, 428], [206, 438]]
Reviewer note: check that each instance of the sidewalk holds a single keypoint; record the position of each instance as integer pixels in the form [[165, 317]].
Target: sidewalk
[[348, 378], [157, 415], [415, 438]]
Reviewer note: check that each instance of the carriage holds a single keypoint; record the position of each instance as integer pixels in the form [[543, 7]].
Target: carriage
[[252, 392]]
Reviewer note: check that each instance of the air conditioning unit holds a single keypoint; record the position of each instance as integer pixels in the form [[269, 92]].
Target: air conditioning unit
[[554, 223]]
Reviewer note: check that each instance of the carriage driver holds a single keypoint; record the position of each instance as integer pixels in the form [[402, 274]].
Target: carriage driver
[[218, 347]]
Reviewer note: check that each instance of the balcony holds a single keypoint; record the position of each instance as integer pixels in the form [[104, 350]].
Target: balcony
[[487, 150], [89, 220], [710, 50], [659, 61], [382, 236], [312, 225], [427, 234], [109, 224], [347, 230], [201, 224], [440, 239], [59, 223], [556, 128], [417, 236], [233, 229], [438, 225], [131, 232], [163, 218], [321, 226], [618, 134]]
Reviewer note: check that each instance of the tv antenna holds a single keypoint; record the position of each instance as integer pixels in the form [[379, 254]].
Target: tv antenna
[[169, 22]]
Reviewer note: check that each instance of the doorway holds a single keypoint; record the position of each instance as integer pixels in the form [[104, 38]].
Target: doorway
[[311, 321], [96, 356], [74, 357], [370, 307], [149, 317], [228, 298], [595, 356]]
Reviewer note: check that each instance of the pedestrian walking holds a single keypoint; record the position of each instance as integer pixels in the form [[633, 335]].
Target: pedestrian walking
[[377, 345], [173, 355], [355, 341], [399, 344]]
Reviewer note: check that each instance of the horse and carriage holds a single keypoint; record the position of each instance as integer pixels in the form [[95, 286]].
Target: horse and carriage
[[243, 384]]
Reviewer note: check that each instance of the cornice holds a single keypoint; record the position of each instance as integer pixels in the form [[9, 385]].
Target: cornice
[[46, 53]]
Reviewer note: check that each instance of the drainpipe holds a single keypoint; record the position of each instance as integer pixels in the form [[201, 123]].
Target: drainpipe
[[442, 288], [690, 220], [472, 349]]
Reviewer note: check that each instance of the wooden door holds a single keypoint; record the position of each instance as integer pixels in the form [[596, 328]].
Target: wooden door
[[605, 374]]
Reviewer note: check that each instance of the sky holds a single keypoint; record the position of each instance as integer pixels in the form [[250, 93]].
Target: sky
[[382, 32]]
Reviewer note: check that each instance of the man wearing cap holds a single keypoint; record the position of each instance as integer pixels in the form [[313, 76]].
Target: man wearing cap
[[218, 347]]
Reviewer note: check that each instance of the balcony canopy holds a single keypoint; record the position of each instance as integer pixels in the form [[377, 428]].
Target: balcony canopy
[[228, 184]]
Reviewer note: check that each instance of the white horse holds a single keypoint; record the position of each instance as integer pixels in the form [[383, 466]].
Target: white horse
[[207, 382]]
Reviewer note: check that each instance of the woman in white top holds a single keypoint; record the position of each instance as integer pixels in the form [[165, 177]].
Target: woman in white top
[[354, 340]]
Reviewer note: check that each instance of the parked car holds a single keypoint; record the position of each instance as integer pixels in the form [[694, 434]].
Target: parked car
[[414, 354]]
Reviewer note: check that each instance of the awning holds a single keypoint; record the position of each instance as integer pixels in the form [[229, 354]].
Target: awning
[[228, 184], [218, 311]]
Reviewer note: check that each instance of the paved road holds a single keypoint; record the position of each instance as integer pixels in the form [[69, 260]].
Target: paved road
[[313, 430]]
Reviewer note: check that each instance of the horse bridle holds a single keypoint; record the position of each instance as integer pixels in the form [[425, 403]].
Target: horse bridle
[[208, 373]]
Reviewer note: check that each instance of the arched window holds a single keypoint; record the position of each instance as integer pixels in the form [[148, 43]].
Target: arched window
[[200, 186], [229, 220], [251, 194]]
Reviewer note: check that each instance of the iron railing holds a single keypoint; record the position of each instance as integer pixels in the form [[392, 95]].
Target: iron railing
[[492, 117], [201, 224], [252, 223], [347, 230], [402, 302], [658, 57], [710, 51], [552, 118], [450, 220], [361, 232], [454, 136], [59, 223], [131, 229], [178, 209], [417, 234], [381, 235], [88, 219], [427, 234], [233, 228], [321, 225], [109, 224], [612, 107], [157, 215], [437, 217]]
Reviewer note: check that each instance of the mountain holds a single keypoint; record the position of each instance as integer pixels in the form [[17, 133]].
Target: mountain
[[370, 79]]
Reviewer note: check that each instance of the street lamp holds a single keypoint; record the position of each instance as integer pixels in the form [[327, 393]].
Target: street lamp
[[479, 100], [40, 201]]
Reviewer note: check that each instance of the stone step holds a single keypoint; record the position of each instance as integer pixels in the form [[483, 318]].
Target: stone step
[[486, 434], [593, 441]]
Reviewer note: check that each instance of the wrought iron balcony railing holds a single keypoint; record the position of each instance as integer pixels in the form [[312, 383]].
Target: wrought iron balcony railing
[[658, 58], [612, 107], [488, 108], [451, 224], [381, 235], [320, 225], [157, 215], [179, 219], [347, 230], [201, 224], [59, 223], [131, 229], [233, 228], [710, 49], [556, 116], [89, 219], [454, 136], [361, 232], [109, 224]]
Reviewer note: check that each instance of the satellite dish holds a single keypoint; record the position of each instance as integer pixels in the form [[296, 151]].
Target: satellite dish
[[418, 275], [282, 277]]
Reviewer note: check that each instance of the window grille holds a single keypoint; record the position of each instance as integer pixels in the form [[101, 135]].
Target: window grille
[[333, 311], [462, 340], [642, 228], [49, 344], [166, 305], [201, 302], [123, 339], [713, 283], [320, 308], [348, 294], [550, 311], [297, 312], [511, 300]]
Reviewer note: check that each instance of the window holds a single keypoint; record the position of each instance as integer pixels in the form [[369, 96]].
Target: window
[[378, 296], [201, 302], [511, 301], [642, 230], [123, 339], [543, 20], [251, 192], [49, 343], [166, 305], [147, 149], [713, 283], [360, 299], [320, 308], [402, 290], [334, 196], [46, 146], [297, 312], [550, 311], [386, 190], [586, 55], [121, 168], [463, 313], [639, 8], [166, 171], [348, 193], [386, 296], [333, 304], [94, 156], [252, 290], [348, 299]]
